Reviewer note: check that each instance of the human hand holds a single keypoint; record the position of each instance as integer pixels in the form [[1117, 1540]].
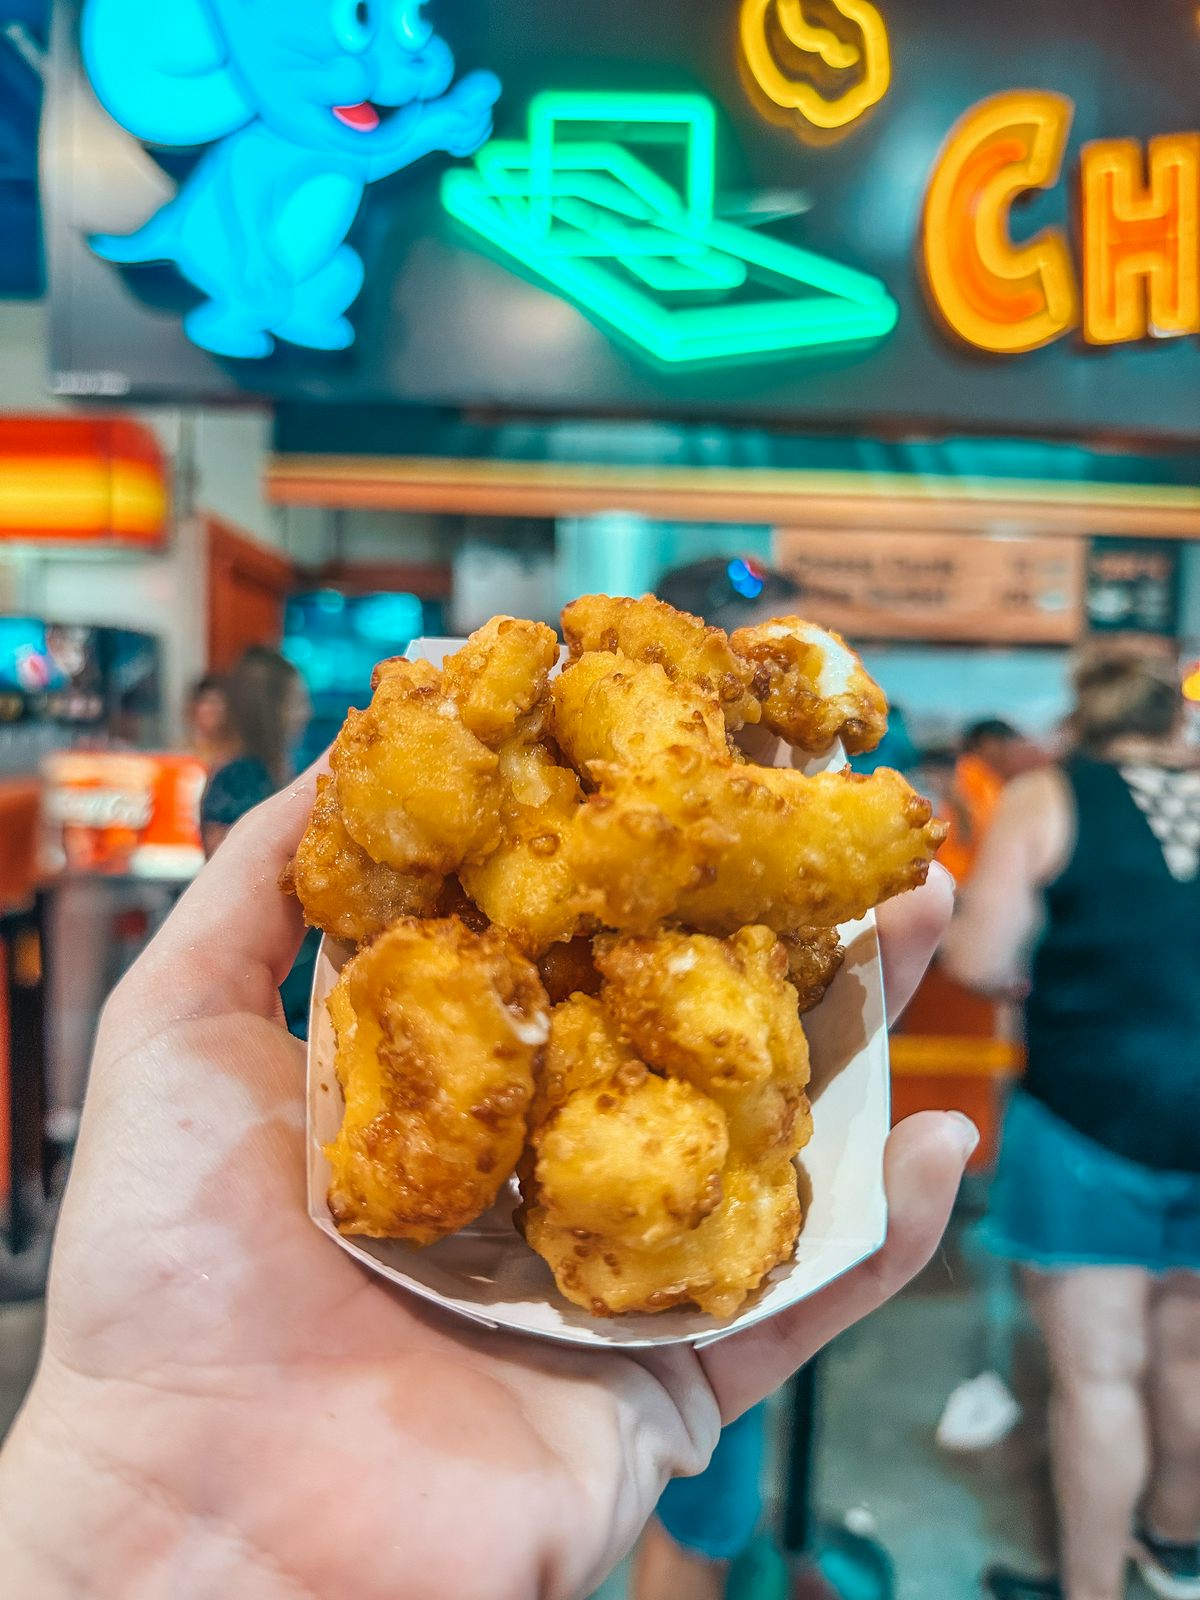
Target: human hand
[[229, 1406]]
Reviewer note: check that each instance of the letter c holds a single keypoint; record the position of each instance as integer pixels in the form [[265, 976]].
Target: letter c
[[994, 293]]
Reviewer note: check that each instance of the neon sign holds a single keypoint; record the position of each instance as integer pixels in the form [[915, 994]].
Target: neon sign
[[1141, 242], [304, 105], [573, 206], [783, 48], [1140, 225], [994, 294]]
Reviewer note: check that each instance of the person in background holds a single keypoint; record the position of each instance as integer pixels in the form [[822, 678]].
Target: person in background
[[729, 594], [209, 737], [1094, 864], [897, 749], [934, 777], [993, 754], [269, 709]]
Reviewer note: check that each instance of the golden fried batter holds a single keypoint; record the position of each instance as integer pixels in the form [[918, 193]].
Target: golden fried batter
[[718, 847], [768, 1119], [569, 969], [608, 708], [816, 689], [438, 1036], [688, 652], [719, 1013], [716, 1266], [418, 791], [345, 893], [454, 901], [635, 1160], [683, 905], [585, 1049], [815, 957], [527, 885], [500, 676]]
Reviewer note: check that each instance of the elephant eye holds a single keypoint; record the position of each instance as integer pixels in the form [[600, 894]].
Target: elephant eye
[[353, 24], [412, 29]]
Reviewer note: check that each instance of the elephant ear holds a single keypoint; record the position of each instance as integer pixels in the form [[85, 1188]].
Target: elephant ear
[[161, 69]]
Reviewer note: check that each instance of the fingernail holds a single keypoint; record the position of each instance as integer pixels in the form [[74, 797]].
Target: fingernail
[[945, 872], [966, 1132]]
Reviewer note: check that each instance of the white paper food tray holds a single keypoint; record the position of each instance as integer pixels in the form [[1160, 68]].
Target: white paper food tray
[[487, 1272]]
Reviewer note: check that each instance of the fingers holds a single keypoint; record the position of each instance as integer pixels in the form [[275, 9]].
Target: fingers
[[910, 930], [925, 1160], [232, 939]]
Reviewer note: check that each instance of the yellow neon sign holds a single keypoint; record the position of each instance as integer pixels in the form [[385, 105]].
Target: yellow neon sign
[[772, 29], [992, 292], [1141, 242]]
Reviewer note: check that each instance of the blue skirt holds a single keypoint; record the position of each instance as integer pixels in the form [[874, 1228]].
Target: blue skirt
[[1060, 1200], [717, 1514]]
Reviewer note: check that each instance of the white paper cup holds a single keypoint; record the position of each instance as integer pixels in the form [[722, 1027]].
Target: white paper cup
[[488, 1273]]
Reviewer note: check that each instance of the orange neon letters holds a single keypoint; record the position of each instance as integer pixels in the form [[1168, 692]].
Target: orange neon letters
[[1141, 242], [994, 293]]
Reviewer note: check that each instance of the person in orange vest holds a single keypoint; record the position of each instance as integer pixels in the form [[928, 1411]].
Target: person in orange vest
[[993, 753]]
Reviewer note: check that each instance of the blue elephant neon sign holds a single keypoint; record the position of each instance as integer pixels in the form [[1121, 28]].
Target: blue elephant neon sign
[[304, 104]]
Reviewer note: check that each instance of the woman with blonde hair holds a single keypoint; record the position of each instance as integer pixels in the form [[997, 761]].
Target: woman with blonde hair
[[1087, 896]]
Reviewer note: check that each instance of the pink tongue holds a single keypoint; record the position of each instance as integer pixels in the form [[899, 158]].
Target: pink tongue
[[362, 118]]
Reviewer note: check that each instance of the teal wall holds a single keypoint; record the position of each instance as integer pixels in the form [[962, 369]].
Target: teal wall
[[621, 553]]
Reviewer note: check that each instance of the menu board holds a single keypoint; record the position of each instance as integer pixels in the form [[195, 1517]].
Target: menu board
[[938, 586], [1133, 586]]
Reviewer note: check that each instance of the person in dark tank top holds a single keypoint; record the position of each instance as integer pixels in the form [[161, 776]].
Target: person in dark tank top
[[1086, 902]]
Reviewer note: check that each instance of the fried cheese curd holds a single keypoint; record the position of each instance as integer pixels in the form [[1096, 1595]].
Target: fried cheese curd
[[718, 1013], [611, 709], [815, 689], [439, 1033], [345, 892], [718, 846], [417, 789], [422, 783], [569, 969], [665, 1125], [815, 957], [603, 874], [654, 633], [527, 885], [716, 1266], [723, 1015], [500, 676]]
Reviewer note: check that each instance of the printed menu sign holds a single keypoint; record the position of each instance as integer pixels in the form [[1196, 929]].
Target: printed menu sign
[[938, 586]]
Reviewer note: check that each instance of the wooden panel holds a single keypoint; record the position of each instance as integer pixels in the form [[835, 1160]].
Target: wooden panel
[[917, 1055], [6, 1100], [784, 498], [82, 480], [977, 1098], [248, 587], [428, 580], [938, 586]]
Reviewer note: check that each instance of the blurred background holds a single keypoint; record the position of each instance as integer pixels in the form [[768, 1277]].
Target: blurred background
[[910, 318]]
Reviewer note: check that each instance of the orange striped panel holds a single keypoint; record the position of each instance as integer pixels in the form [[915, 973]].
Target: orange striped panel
[[81, 481]]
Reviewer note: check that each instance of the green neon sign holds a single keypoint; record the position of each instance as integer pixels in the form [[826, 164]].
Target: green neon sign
[[576, 208]]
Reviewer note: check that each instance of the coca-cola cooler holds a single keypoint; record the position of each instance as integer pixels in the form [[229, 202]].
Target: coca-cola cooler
[[81, 715]]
